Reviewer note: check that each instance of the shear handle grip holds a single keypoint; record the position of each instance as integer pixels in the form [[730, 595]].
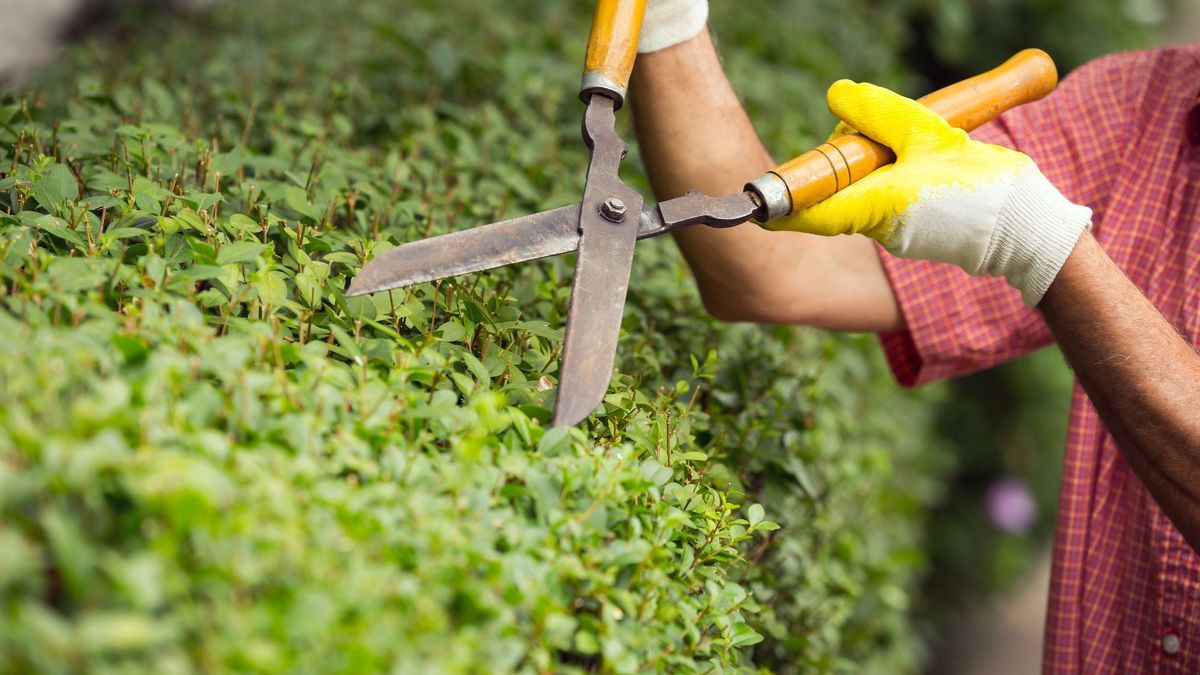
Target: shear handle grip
[[612, 46], [823, 171]]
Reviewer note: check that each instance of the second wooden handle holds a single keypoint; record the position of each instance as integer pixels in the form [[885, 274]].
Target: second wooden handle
[[823, 171], [612, 46]]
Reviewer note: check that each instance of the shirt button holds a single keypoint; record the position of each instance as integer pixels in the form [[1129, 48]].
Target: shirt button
[[1170, 643]]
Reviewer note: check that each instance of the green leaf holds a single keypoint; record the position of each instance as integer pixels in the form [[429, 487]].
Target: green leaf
[[554, 441], [58, 227], [244, 223], [477, 368], [755, 514], [201, 201], [744, 636], [75, 274], [585, 643], [297, 200], [452, 331], [240, 252], [118, 233], [55, 187], [360, 307], [308, 289], [271, 289], [9, 112], [344, 257]]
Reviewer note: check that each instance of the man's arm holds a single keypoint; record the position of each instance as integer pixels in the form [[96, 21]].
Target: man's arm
[[1143, 378], [694, 134]]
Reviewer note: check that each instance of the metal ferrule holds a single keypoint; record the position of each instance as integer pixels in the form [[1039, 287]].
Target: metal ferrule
[[773, 192], [594, 83]]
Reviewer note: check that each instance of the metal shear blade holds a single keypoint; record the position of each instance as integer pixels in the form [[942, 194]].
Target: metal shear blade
[[601, 227], [480, 248], [538, 235]]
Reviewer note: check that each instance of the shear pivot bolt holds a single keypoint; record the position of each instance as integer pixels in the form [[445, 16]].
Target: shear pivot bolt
[[613, 209]]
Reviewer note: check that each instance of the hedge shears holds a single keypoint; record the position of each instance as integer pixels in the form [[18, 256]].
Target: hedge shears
[[611, 217]]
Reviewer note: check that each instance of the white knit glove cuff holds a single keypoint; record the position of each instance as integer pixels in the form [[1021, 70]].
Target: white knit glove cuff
[[1036, 230], [669, 22]]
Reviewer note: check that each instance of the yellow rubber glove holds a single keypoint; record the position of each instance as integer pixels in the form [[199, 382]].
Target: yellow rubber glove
[[982, 207]]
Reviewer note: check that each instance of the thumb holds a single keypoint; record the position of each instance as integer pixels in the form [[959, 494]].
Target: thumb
[[841, 130], [900, 123]]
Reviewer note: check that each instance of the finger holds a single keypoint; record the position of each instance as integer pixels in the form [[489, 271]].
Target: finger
[[885, 116], [841, 130]]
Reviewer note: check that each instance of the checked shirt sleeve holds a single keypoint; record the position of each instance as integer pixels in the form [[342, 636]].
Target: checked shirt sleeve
[[958, 324]]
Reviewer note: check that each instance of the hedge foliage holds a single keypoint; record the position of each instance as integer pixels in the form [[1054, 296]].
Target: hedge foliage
[[214, 461]]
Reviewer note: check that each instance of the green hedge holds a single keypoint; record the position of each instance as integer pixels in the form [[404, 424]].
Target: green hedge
[[214, 461]]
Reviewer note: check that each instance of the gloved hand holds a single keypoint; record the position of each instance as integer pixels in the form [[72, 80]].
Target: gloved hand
[[669, 22], [948, 198]]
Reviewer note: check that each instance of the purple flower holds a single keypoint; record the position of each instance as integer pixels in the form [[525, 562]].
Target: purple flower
[[1010, 505]]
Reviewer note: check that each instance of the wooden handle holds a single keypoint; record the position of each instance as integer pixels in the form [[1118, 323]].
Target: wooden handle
[[821, 172], [612, 46]]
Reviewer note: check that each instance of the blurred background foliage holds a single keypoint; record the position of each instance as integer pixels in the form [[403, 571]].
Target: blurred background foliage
[[178, 496]]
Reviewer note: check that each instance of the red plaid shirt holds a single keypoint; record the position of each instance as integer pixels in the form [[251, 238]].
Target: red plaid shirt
[[1121, 135]]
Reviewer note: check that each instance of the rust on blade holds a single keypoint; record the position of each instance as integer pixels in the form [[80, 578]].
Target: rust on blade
[[511, 241], [696, 208], [609, 220]]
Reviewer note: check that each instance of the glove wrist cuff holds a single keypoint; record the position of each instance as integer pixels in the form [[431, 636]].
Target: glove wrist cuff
[[1036, 230], [670, 22]]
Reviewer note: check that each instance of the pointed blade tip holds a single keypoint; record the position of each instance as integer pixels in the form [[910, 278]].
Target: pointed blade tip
[[560, 420], [570, 413], [520, 239], [355, 290]]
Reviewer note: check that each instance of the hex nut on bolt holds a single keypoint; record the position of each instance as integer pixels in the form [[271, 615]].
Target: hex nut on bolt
[[613, 209]]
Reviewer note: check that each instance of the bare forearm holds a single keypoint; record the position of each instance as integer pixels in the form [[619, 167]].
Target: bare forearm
[[694, 134], [691, 127], [1143, 378]]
